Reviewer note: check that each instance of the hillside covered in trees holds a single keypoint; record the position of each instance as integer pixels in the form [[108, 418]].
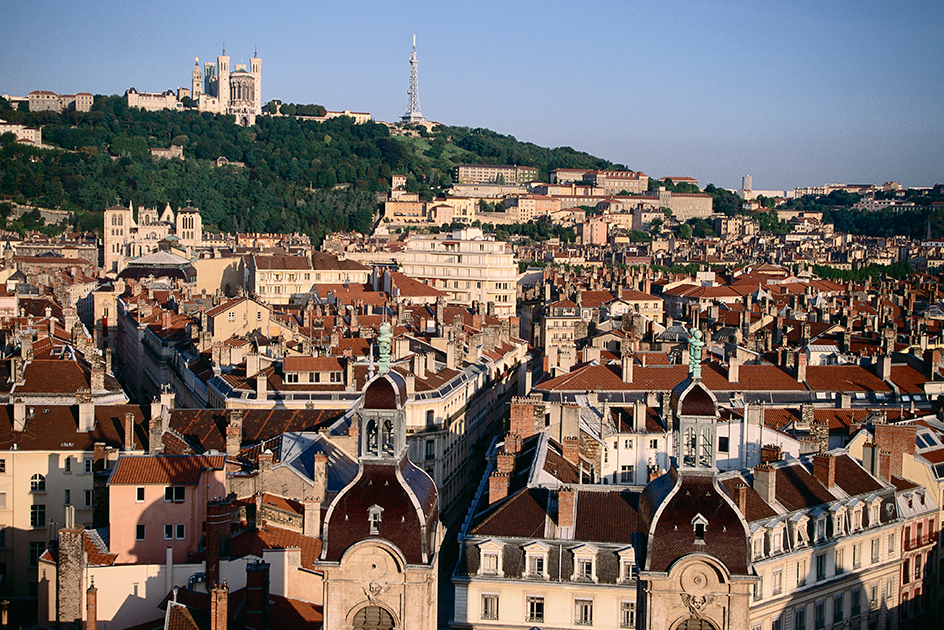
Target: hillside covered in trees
[[298, 175]]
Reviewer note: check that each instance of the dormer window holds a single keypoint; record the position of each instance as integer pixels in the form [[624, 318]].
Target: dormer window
[[759, 546], [820, 529], [585, 565], [536, 558], [627, 558], [699, 525], [490, 558], [839, 523], [374, 516]]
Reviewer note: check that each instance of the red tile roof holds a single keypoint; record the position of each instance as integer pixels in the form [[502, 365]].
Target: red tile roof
[[163, 469]]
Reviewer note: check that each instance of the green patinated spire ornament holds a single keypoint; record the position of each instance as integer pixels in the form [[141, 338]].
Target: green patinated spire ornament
[[695, 344], [385, 340]]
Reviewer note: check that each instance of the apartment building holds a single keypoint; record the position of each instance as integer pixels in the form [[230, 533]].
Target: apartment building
[[465, 265], [494, 174]]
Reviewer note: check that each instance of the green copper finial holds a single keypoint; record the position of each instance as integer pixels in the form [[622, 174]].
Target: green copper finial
[[385, 340], [695, 344]]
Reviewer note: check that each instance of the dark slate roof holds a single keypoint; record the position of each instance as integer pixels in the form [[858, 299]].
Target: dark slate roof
[[671, 533], [409, 517], [798, 489], [606, 516], [756, 508], [522, 515]]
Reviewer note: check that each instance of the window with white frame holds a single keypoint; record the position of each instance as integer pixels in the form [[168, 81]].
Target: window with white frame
[[876, 550], [758, 546], [627, 560], [585, 563], [856, 519], [490, 555], [776, 582], [536, 555], [583, 612], [627, 614], [535, 609], [839, 522], [839, 566], [489, 605], [800, 532], [820, 529]]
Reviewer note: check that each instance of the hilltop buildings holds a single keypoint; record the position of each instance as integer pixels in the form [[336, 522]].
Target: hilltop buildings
[[216, 88]]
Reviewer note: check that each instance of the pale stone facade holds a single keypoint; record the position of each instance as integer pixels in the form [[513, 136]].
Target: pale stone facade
[[126, 238], [468, 266]]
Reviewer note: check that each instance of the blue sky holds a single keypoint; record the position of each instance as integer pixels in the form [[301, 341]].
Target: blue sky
[[793, 93]]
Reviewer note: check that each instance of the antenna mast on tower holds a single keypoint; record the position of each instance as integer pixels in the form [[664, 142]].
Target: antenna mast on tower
[[413, 114]]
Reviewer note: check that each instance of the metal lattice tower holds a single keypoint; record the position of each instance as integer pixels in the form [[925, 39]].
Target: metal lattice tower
[[413, 114]]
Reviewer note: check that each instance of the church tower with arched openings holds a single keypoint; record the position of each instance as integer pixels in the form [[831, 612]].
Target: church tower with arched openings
[[695, 570], [381, 536]]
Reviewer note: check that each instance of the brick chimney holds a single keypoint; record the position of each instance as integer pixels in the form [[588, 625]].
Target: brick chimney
[[513, 443], [521, 419], [219, 607], [896, 439], [566, 506], [571, 448], [800, 361], [765, 482], [311, 525], [498, 483], [885, 460], [129, 431], [740, 493], [91, 607], [824, 469], [505, 461], [218, 531], [257, 596]]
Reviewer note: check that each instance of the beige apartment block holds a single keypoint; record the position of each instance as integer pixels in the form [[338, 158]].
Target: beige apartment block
[[495, 174], [466, 265]]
